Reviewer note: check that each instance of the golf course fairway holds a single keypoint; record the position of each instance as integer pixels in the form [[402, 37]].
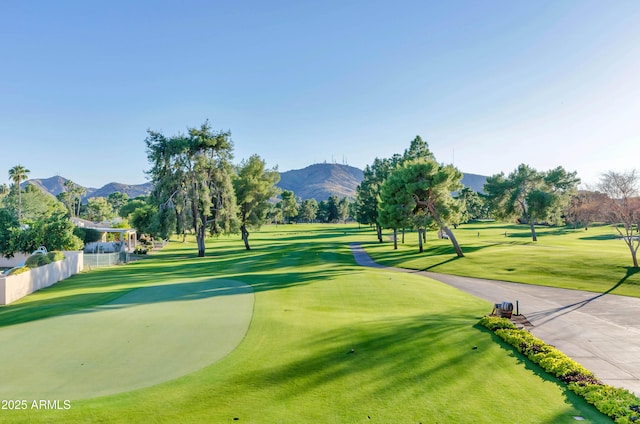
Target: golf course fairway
[[147, 336], [319, 339]]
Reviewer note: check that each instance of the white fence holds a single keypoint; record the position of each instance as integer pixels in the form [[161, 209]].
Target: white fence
[[96, 260], [14, 287]]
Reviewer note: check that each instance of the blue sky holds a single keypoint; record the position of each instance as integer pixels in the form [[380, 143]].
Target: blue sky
[[489, 84]]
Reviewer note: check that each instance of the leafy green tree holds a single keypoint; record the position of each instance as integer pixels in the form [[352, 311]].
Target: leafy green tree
[[423, 185], [473, 206], [344, 207], [87, 235], [4, 190], [98, 209], [395, 205], [531, 195], [196, 169], [367, 204], [368, 192], [58, 234], [116, 200], [309, 210], [254, 186], [418, 149], [9, 227], [145, 220], [323, 211], [623, 206], [17, 174], [132, 204], [55, 232], [36, 204], [332, 209], [289, 205], [274, 213], [72, 197]]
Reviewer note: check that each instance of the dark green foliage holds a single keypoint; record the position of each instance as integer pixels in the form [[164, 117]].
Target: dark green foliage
[[193, 172], [145, 220], [35, 261], [8, 228], [254, 185], [531, 195], [55, 256], [87, 235]]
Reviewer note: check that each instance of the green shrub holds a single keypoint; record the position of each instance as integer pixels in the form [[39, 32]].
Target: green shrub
[[55, 256], [35, 261], [495, 323], [619, 404], [87, 235], [18, 270]]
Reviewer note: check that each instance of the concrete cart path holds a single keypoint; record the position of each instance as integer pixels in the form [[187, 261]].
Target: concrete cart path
[[599, 331]]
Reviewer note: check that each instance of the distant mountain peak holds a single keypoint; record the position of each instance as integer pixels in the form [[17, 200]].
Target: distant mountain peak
[[322, 180], [55, 186], [318, 181]]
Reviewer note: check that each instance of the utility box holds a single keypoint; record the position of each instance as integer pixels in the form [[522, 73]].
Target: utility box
[[503, 310]]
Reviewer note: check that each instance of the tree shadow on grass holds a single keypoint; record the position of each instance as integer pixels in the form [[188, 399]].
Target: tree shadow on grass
[[550, 314], [270, 268], [429, 356], [601, 237], [572, 398]]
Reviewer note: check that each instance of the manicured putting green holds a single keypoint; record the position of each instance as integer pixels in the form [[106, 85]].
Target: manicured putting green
[[147, 336]]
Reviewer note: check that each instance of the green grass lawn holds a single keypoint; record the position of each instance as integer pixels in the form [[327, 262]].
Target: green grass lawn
[[412, 339], [593, 260]]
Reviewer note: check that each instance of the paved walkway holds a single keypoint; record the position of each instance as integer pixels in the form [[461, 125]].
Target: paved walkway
[[599, 331]]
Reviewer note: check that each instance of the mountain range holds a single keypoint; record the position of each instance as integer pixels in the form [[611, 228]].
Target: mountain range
[[318, 181], [55, 186]]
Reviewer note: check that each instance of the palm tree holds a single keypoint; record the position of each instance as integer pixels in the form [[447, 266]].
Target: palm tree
[[18, 174]]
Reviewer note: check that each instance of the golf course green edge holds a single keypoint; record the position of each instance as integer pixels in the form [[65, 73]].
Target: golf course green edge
[[145, 337]]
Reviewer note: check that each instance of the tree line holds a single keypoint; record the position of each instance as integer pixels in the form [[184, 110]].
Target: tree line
[[196, 190], [413, 191]]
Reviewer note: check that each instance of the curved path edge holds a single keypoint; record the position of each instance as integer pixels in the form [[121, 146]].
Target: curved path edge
[[599, 331]]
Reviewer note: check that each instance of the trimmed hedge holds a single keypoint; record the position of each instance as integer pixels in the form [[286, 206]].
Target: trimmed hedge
[[35, 261], [619, 404], [55, 256], [18, 270]]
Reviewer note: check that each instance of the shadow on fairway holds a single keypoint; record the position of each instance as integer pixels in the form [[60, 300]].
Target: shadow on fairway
[[601, 237], [429, 356], [429, 251], [271, 267], [570, 397], [551, 314]]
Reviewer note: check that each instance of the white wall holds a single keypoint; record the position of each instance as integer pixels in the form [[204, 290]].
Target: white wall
[[14, 287]]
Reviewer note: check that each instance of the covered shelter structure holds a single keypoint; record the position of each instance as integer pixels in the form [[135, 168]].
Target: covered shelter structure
[[127, 236]]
